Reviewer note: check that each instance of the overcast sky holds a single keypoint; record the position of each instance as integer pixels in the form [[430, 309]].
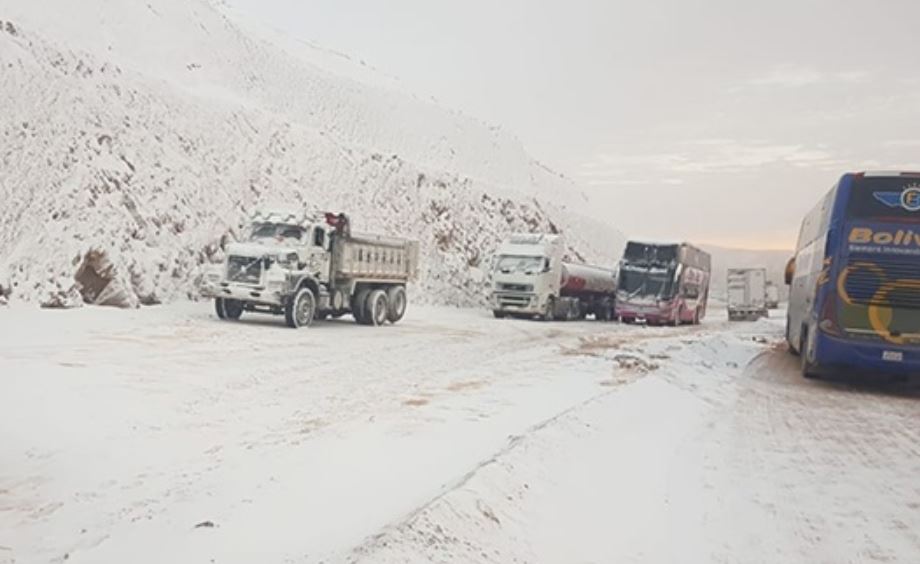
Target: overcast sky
[[717, 121]]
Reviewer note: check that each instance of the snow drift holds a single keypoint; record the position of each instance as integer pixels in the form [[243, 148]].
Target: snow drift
[[139, 137]]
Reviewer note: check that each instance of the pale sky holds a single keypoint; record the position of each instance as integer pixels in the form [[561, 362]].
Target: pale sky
[[716, 121]]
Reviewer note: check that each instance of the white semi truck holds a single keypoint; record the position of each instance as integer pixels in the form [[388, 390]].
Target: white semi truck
[[747, 294], [307, 267], [530, 279]]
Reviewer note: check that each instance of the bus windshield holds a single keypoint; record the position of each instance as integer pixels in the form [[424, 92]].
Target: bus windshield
[[646, 282], [895, 199]]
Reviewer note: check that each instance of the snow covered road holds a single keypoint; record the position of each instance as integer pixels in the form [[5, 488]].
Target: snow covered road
[[163, 435]]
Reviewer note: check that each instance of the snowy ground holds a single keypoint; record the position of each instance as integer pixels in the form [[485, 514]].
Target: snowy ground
[[164, 435]]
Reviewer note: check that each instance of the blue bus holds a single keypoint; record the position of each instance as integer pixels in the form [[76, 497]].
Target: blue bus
[[854, 303]]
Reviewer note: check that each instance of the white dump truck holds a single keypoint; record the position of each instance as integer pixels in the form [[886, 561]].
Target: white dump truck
[[530, 279], [747, 294], [308, 267], [772, 296]]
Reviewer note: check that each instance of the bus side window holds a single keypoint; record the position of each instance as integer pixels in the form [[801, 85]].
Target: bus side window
[[319, 237]]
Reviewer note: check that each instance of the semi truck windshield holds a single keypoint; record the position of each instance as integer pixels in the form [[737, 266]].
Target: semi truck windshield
[[511, 263]]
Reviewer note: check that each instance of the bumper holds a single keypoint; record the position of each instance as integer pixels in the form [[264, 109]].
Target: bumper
[[748, 312], [648, 314], [517, 302], [259, 295], [861, 357]]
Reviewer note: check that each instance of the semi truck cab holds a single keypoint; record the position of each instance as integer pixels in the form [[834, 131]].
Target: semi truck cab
[[526, 274], [530, 278]]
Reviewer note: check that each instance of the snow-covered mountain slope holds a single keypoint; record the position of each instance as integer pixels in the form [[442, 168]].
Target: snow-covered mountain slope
[[147, 132]]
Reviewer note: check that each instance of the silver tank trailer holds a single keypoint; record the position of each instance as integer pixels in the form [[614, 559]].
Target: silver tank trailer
[[582, 279]]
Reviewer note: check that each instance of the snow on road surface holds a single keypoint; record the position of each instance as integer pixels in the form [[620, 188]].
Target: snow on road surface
[[164, 435]]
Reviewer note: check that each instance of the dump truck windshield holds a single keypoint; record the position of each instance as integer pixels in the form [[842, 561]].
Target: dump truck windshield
[[277, 231]]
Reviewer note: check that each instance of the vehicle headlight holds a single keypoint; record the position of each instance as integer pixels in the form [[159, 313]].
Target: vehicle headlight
[[214, 273], [287, 260], [275, 278]]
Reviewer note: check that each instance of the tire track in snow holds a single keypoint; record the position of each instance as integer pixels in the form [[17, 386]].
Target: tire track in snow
[[367, 547], [589, 346]]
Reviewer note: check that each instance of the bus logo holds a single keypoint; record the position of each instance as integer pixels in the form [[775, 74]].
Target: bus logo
[[909, 199]]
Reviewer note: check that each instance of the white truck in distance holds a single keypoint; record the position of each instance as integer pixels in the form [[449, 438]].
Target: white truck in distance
[[772, 296], [530, 279], [307, 268], [747, 294]]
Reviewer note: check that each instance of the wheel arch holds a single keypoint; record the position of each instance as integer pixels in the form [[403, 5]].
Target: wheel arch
[[307, 282]]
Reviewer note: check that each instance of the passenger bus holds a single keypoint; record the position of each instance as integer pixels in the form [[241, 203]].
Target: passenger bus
[[854, 300], [663, 283]]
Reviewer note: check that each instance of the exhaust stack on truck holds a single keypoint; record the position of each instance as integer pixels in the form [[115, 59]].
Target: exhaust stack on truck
[[531, 279], [312, 267]]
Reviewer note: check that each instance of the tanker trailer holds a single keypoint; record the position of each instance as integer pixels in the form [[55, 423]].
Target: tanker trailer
[[530, 279]]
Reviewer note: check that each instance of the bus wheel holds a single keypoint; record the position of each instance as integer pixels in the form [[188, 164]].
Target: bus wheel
[[809, 369], [789, 345], [676, 320]]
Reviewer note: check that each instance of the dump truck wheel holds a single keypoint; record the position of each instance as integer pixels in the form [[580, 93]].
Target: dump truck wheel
[[377, 308], [359, 307], [233, 309], [301, 309], [228, 309], [219, 308], [397, 302]]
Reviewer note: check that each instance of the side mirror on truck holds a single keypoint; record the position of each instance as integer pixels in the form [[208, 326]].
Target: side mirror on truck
[[790, 271]]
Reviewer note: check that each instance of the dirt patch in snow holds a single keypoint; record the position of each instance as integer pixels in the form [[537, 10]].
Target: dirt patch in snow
[[98, 283], [416, 402], [469, 385]]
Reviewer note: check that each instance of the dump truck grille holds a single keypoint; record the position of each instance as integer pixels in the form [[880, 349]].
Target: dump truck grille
[[244, 270]]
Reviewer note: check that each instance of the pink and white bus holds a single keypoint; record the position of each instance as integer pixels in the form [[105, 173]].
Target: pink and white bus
[[663, 284]]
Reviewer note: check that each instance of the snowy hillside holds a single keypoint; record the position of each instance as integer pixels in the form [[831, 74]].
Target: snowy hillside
[[137, 137]]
